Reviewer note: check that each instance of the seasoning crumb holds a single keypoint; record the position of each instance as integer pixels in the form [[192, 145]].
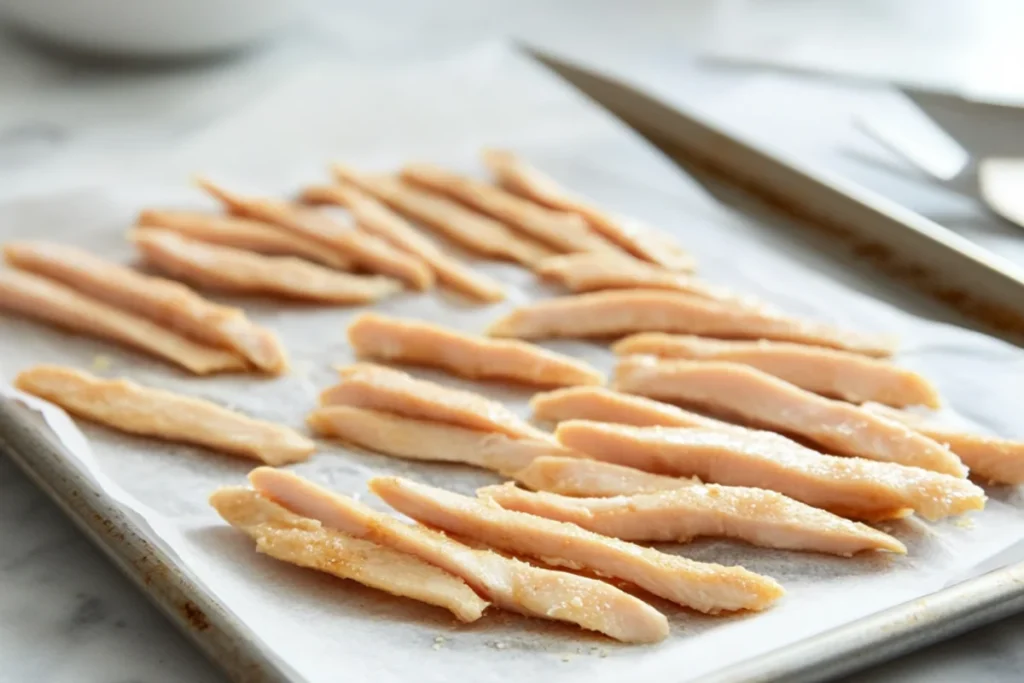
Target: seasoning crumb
[[499, 646], [100, 363], [567, 657], [439, 639], [436, 646], [604, 653]]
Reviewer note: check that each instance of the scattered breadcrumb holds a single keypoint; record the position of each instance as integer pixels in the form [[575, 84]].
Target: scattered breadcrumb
[[100, 363], [964, 522]]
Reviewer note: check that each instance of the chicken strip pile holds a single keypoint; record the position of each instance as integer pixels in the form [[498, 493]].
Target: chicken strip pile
[[851, 487], [40, 298], [305, 542], [365, 385], [757, 397], [166, 303], [379, 220], [507, 583]]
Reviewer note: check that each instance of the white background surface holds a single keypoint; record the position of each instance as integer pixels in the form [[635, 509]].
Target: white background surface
[[58, 596]]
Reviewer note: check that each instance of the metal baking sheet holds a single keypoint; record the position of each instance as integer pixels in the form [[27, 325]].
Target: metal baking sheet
[[523, 109]]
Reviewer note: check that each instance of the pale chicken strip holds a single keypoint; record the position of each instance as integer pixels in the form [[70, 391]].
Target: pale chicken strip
[[640, 240], [990, 458], [466, 227], [709, 588], [130, 407], [364, 250], [375, 218], [415, 342], [621, 312], [604, 405], [412, 439], [233, 270], [243, 233], [42, 299], [768, 401], [586, 478], [365, 385], [305, 542], [851, 487], [829, 372], [507, 583], [562, 231], [165, 302], [590, 272], [762, 518]]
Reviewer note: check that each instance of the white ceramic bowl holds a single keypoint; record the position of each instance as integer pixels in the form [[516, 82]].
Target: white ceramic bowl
[[151, 28]]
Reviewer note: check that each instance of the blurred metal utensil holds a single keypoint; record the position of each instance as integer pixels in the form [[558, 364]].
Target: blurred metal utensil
[[997, 181]]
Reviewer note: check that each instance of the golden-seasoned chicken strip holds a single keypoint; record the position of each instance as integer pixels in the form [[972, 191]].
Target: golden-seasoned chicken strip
[[415, 342], [129, 407]]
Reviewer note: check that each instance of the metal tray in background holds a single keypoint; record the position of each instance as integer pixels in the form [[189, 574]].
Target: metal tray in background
[[970, 278], [983, 287]]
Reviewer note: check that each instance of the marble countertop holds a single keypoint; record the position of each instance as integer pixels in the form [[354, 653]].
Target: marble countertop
[[66, 614]]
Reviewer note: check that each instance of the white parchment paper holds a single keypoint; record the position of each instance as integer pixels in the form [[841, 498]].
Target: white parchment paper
[[379, 117]]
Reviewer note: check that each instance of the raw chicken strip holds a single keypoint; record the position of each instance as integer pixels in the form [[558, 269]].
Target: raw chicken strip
[[167, 303], [841, 374], [129, 407], [43, 299], [234, 270], [305, 542], [851, 487], [588, 272], [405, 437], [375, 218], [367, 251], [618, 312], [508, 583], [468, 228], [640, 240], [989, 458], [765, 400], [604, 405], [420, 343], [565, 232], [709, 588], [587, 478], [243, 233], [762, 518], [365, 385]]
